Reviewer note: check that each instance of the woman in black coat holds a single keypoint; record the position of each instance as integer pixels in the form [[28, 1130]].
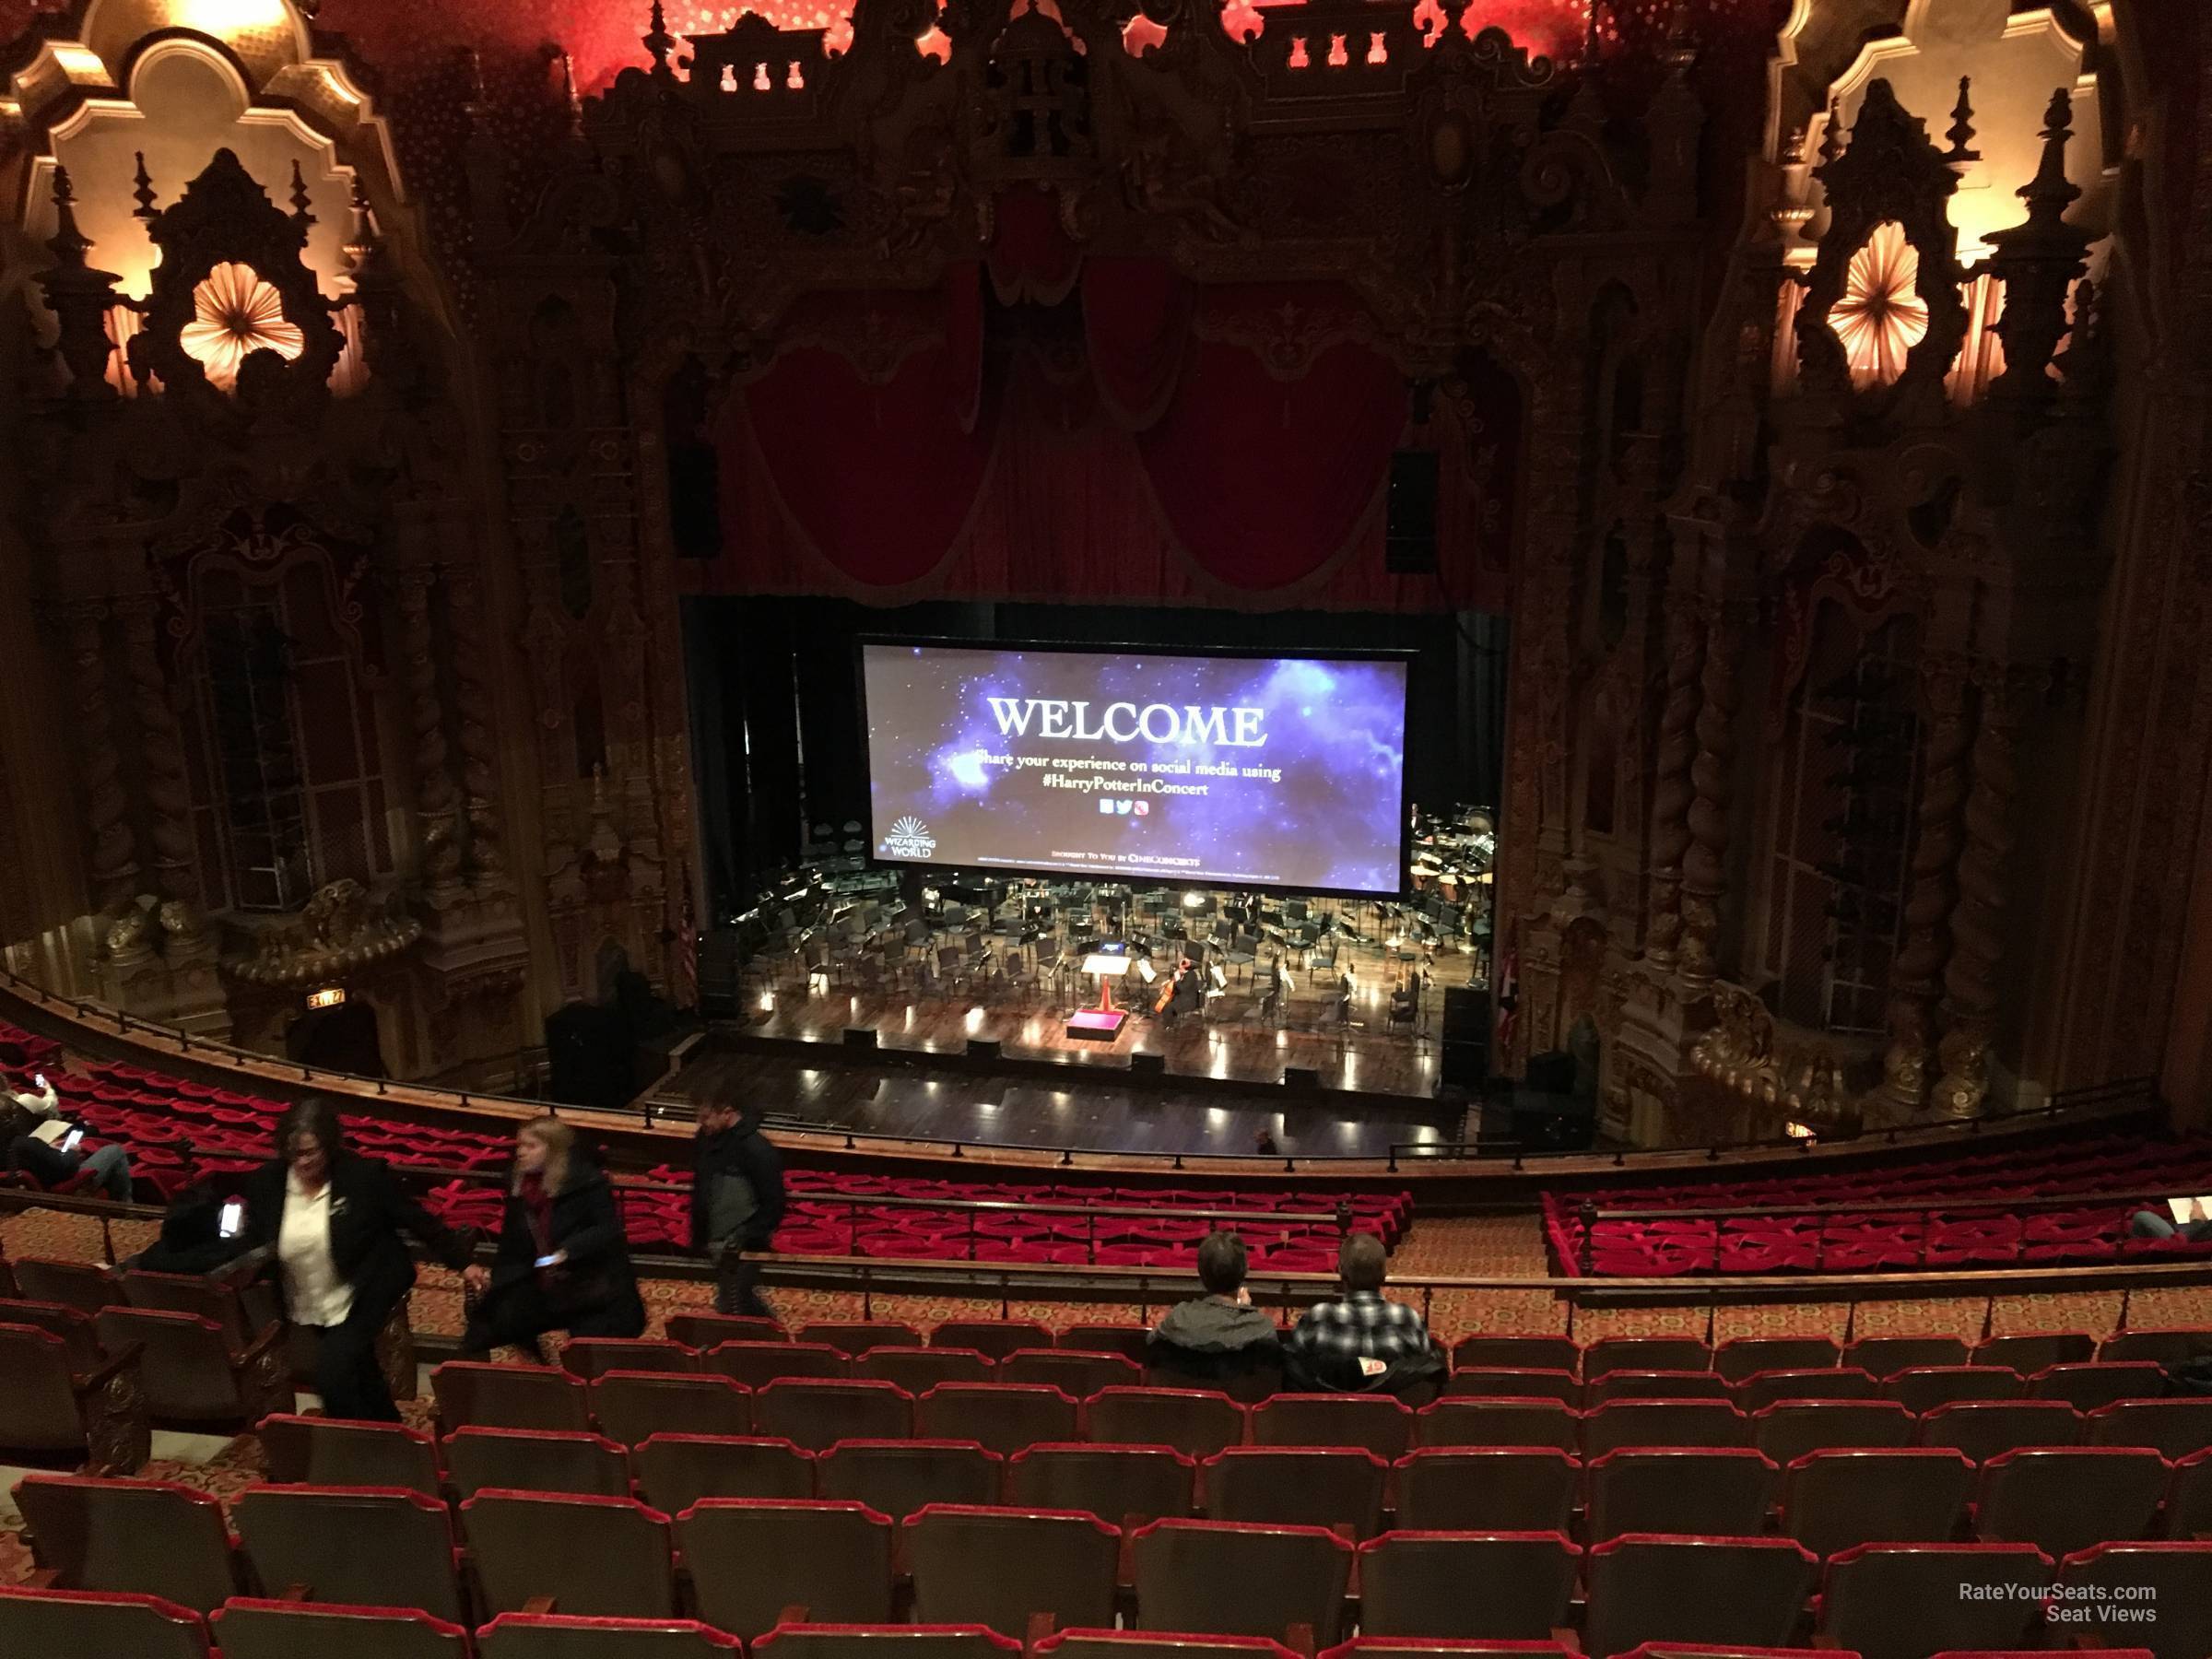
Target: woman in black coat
[[334, 1221], [563, 1264]]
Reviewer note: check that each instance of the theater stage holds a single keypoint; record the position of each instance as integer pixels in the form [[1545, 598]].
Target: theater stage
[[1088, 1100]]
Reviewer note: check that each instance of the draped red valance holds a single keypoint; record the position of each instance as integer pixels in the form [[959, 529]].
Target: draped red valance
[[1119, 433]]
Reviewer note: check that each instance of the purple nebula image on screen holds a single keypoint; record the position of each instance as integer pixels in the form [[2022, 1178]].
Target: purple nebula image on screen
[[1285, 772]]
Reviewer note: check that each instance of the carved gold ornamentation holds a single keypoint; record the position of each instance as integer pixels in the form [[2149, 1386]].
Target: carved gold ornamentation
[[343, 930]]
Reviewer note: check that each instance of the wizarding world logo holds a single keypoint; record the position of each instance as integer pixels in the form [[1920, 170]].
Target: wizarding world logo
[[909, 837]]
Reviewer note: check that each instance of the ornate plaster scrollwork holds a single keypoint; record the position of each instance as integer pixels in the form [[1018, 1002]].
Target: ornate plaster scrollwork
[[1712, 779], [1970, 981], [168, 786], [1917, 977], [479, 749], [344, 929], [1675, 748], [115, 861], [434, 798]]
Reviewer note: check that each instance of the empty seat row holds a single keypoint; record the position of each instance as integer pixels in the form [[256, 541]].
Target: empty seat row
[[816, 1411], [2060, 1498], [1738, 1358], [745, 1566], [2084, 1386]]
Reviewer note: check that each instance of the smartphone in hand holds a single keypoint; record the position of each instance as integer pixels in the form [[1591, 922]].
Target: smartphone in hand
[[233, 1219]]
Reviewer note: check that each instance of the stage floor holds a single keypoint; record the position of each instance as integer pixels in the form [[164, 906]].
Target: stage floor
[[1093, 1110], [1363, 1058]]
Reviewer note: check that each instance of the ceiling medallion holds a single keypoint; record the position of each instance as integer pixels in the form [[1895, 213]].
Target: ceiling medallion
[[237, 310], [1881, 316]]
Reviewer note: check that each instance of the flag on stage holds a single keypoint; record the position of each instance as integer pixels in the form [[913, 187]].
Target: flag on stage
[[1506, 1003], [687, 952]]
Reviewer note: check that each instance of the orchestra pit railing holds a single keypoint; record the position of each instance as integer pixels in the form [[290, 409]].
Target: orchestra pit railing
[[96, 1018]]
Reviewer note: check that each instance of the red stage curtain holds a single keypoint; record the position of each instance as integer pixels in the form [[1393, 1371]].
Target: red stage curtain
[[1137, 325], [1171, 442], [1265, 480], [875, 459]]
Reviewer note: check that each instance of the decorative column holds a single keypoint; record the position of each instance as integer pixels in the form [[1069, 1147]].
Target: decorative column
[[162, 755], [1712, 785], [1675, 748], [1970, 987], [1917, 975], [435, 805], [114, 860], [479, 749], [80, 298]]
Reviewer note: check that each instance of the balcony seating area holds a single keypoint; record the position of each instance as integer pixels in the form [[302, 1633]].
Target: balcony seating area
[[1891, 1220], [644, 1500], [178, 1131]]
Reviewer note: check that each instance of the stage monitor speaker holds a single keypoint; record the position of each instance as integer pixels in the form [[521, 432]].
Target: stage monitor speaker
[[860, 1037], [1301, 1077], [1553, 1122], [1464, 1065], [1148, 1066], [1409, 518], [1467, 1014], [982, 1048]]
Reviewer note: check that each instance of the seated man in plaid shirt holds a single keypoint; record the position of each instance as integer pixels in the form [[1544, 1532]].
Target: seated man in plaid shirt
[[1362, 1343]]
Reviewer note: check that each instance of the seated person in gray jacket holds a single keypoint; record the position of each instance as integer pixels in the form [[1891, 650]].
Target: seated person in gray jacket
[[1221, 1336]]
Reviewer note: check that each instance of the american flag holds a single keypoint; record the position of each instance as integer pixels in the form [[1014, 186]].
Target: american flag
[[686, 951], [1506, 1001]]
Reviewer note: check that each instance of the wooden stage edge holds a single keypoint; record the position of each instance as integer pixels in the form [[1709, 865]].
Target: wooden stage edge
[[1107, 1067]]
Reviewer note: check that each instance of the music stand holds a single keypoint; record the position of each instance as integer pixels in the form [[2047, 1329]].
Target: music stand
[[1103, 1023]]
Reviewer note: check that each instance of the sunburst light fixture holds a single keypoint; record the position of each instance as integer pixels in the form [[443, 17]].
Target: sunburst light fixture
[[1880, 317], [237, 310]]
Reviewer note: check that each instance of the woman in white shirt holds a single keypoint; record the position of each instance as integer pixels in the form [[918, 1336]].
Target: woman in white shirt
[[335, 1222]]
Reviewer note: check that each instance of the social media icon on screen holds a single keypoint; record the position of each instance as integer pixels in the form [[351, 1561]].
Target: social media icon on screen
[[1122, 808], [1105, 804], [1143, 808]]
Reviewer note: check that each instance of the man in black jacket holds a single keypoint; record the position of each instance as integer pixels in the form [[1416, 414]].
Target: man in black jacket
[[736, 1204]]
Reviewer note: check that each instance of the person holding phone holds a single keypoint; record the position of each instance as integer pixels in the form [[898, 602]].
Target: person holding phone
[[202, 1231], [35, 1140], [336, 1224], [39, 1100], [563, 1263]]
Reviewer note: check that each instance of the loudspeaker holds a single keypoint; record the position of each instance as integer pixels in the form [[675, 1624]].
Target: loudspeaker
[[1553, 1122], [1467, 1013], [860, 1037], [1148, 1066], [982, 1048], [1301, 1077], [1464, 1065], [1409, 518]]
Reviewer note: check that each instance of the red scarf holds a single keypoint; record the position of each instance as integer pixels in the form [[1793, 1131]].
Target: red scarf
[[540, 1204]]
